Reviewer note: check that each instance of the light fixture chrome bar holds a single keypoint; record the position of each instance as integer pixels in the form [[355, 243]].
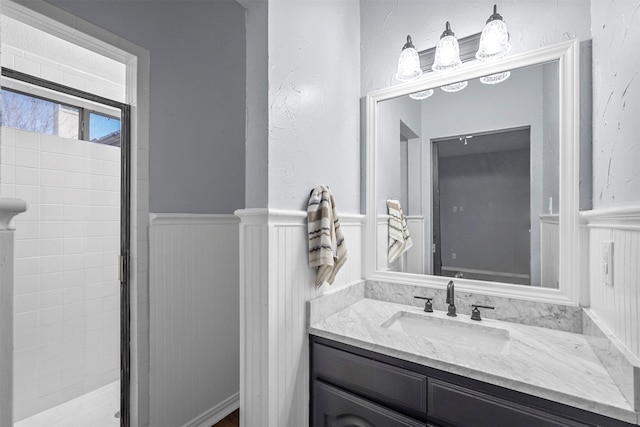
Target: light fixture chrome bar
[[468, 48]]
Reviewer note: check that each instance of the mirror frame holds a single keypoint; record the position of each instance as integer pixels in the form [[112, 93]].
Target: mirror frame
[[569, 291]]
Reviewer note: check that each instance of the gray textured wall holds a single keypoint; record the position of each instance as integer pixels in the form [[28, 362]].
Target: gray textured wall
[[197, 96]]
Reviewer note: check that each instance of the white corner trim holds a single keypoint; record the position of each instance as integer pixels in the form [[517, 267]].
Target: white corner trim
[[10, 207], [619, 218], [217, 413], [157, 219]]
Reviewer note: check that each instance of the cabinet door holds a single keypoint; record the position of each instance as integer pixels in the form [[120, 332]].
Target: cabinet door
[[451, 404], [333, 407]]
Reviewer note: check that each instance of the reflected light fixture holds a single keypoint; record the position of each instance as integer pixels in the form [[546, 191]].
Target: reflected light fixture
[[494, 40], [455, 87], [408, 63], [424, 94], [495, 78], [447, 51]]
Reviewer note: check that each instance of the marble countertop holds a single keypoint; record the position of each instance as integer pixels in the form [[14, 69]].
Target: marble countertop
[[552, 364]]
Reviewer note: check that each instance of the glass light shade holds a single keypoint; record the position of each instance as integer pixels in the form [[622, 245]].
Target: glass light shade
[[495, 78], [424, 94], [455, 87], [447, 54], [408, 65], [494, 41]]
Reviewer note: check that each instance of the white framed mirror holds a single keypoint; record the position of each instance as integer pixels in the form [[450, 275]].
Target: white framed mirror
[[532, 251]]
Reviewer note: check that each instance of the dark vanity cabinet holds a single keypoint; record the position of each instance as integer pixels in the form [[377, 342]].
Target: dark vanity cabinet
[[352, 387]]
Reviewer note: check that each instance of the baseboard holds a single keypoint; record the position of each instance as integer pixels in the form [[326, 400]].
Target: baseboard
[[217, 413]]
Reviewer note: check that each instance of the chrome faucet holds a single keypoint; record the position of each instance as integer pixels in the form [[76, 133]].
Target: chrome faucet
[[451, 310]]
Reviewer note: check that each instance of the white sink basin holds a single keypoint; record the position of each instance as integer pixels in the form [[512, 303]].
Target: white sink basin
[[476, 337]]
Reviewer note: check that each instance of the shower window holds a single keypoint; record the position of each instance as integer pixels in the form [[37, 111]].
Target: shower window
[[34, 114], [38, 114], [103, 129]]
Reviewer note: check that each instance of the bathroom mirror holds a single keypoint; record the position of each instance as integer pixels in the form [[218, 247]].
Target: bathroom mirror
[[487, 178]]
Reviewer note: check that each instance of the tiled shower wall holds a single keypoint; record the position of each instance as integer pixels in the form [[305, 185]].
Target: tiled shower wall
[[66, 330]]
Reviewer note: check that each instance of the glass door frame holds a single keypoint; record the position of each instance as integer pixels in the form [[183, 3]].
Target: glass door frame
[[125, 225]]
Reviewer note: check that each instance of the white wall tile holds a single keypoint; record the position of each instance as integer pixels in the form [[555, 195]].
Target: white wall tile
[[28, 248], [51, 195], [73, 262], [74, 180], [29, 193], [27, 140], [27, 356], [25, 303], [27, 175], [28, 158], [25, 339], [24, 321], [26, 284], [49, 229], [52, 144], [51, 160], [27, 266], [51, 281], [8, 175], [49, 247], [51, 74], [73, 311], [8, 60], [73, 294], [51, 264], [51, 178], [74, 164], [28, 230], [50, 298], [50, 333], [50, 316], [73, 81], [51, 213]]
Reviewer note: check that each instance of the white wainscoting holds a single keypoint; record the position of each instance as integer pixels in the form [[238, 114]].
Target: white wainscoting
[[549, 251], [194, 320], [415, 256], [617, 305], [275, 284]]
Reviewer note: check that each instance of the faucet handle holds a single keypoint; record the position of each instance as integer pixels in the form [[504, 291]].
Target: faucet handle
[[428, 306], [475, 313]]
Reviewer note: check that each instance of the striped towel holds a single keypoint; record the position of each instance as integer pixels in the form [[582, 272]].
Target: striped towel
[[327, 249], [399, 238]]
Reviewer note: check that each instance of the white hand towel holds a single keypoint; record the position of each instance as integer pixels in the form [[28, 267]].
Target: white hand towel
[[327, 249], [399, 238]]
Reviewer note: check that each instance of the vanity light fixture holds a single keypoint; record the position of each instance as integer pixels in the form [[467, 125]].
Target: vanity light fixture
[[447, 51], [494, 44], [494, 40], [421, 95], [448, 57], [408, 63]]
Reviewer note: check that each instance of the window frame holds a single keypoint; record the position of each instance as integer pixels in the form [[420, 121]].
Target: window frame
[[85, 106]]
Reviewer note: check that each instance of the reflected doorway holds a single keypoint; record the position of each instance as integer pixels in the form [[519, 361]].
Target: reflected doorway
[[482, 206]]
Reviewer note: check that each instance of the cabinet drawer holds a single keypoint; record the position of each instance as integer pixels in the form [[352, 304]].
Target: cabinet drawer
[[394, 387], [452, 404], [337, 408]]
